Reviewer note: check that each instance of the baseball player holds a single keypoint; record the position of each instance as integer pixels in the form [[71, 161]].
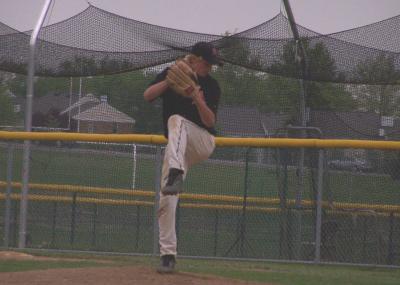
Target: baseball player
[[190, 98]]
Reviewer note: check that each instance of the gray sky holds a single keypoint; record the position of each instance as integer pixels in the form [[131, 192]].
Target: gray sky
[[211, 16]]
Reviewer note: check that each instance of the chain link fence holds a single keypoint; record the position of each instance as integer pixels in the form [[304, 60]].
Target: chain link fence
[[242, 206]]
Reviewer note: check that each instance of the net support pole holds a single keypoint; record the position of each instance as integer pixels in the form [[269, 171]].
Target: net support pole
[[28, 126], [297, 237], [319, 206], [134, 163], [157, 189], [7, 210]]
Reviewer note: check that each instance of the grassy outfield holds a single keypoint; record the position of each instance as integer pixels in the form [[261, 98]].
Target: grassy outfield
[[276, 273], [205, 231], [107, 169]]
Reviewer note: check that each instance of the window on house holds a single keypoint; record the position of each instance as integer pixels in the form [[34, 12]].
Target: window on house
[[91, 128]]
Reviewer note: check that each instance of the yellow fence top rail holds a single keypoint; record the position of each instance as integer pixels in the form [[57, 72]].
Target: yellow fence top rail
[[220, 141]]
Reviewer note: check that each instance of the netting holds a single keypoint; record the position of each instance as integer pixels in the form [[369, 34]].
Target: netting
[[350, 88], [92, 71], [97, 42], [241, 203]]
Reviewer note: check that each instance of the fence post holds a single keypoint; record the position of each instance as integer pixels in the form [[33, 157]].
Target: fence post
[[319, 206], [285, 247], [7, 211], [390, 257], [54, 224], [138, 218], [216, 232], [23, 216], [157, 186], [94, 221], [73, 217], [241, 238]]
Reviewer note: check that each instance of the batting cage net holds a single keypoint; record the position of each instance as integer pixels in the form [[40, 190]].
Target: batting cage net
[[244, 202]]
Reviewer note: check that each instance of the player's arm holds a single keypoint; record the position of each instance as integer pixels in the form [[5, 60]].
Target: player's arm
[[155, 90], [207, 116]]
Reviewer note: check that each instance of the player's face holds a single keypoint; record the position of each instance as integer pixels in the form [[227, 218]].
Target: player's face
[[203, 68]]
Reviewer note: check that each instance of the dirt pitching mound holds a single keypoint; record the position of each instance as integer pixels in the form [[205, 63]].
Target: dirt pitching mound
[[125, 275], [111, 276]]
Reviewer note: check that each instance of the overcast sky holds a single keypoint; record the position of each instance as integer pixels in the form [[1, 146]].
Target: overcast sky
[[211, 16]]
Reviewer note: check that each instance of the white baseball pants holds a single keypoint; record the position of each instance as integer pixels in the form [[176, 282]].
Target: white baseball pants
[[188, 144]]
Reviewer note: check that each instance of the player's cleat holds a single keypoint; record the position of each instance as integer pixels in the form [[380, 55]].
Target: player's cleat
[[175, 182], [167, 264]]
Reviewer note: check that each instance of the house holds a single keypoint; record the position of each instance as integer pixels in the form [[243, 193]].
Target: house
[[77, 106], [85, 114], [237, 121], [103, 118], [346, 125]]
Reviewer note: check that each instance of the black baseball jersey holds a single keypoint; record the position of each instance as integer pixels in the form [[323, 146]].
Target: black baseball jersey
[[174, 103]]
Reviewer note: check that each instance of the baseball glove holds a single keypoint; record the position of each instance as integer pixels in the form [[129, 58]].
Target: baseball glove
[[182, 79]]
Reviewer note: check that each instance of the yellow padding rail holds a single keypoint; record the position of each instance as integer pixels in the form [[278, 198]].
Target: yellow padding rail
[[205, 197], [121, 202], [117, 202], [220, 141]]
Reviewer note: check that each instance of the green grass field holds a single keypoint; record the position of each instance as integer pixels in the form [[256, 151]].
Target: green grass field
[[123, 228], [106, 169], [268, 272]]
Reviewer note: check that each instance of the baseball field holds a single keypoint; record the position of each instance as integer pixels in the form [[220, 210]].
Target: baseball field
[[63, 215], [17, 268]]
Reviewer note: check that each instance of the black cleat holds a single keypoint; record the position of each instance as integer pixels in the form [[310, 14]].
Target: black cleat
[[167, 264], [175, 182]]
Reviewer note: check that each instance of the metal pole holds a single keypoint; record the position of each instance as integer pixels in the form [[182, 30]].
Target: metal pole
[[28, 126], [157, 187], [244, 209], [70, 102], [7, 212], [391, 246], [319, 206], [73, 218], [134, 167], [79, 103], [54, 225], [298, 233], [95, 213], [302, 106]]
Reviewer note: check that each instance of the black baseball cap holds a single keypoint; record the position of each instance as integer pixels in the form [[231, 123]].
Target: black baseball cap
[[208, 52]]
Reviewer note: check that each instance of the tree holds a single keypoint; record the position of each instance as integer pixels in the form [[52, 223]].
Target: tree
[[379, 94], [50, 85], [17, 85], [241, 84], [7, 114], [322, 94]]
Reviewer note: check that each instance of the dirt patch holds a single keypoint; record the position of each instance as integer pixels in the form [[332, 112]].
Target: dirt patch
[[12, 255], [124, 275], [127, 275]]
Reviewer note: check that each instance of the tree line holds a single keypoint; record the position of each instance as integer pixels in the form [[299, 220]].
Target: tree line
[[274, 91]]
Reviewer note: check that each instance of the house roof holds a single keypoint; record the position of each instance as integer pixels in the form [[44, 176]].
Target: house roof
[[248, 121], [104, 112], [354, 125], [86, 102]]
